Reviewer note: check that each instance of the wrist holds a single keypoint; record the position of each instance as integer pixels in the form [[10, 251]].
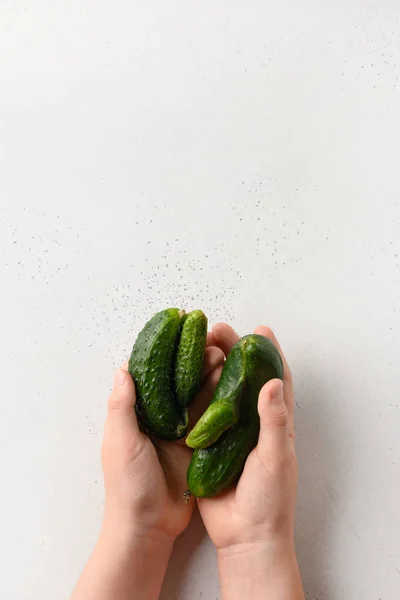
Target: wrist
[[123, 562], [130, 533], [268, 552], [133, 543], [131, 558], [260, 568]]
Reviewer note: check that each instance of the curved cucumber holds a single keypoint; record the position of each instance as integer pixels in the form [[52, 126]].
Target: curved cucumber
[[223, 411], [228, 430], [155, 361]]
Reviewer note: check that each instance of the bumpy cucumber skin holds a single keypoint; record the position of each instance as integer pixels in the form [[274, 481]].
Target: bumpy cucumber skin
[[151, 366], [214, 468], [223, 411], [190, 357]]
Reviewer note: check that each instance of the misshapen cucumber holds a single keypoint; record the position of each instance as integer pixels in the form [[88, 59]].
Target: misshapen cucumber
[[155, 361], [228, 430], [223, 411]]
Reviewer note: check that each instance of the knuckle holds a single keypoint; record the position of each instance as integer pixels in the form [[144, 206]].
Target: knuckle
[[214, 358], [276, 418], [280, 418], [115, 401]]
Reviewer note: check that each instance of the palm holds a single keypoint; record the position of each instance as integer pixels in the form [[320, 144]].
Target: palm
[[159, 470], [227, 517]]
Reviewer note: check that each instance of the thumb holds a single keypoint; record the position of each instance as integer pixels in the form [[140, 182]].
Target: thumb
[[121, 416], [273, 412]]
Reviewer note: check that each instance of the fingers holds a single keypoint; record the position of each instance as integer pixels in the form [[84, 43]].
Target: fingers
[[287, 376], [274, 421], [121, 416], [213, 358], [210, 339], [267, 332], [225, 337]]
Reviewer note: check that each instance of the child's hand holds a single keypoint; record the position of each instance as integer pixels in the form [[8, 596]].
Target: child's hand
[[144, 508], [252, 525], [145, 480]]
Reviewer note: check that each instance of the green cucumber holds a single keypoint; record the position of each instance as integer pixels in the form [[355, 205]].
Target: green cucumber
[[228, 430], [223, 411], [190, 357], [157, 363]]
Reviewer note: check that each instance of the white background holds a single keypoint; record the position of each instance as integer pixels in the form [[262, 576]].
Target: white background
[[241, 157]]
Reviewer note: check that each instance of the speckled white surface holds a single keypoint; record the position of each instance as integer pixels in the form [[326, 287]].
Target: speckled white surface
[[242, 157]]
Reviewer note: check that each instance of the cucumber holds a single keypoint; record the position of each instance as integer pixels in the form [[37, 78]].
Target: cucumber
[[223, 411], [190, 357], [228, 430], [155, 362]]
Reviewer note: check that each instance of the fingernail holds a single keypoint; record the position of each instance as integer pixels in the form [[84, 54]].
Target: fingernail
[[119, 378], [277, 392]]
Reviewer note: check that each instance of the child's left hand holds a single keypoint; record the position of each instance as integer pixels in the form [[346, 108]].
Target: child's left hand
[[145, 508]]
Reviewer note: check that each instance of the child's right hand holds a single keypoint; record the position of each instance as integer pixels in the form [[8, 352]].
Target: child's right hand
[[252, 526]]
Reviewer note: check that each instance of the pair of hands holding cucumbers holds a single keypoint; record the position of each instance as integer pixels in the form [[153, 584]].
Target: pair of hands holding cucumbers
[[252, 525]]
